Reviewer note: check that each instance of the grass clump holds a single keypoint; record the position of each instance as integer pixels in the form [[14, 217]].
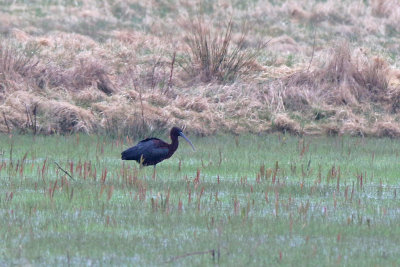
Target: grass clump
[[15, 65], [213, 54], [347, 78]]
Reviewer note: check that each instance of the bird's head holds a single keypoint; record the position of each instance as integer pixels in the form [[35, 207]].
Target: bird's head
[[175, 131]]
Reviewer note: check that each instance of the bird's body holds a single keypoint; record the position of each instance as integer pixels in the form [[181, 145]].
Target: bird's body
[[151, 151]]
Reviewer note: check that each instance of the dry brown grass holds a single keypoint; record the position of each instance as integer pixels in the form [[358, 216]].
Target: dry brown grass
[[386, 127], [130, 78], [283, 123], [15, 67], [213, 55], [384, 8], [85, 74], [346, 78], [84, 97]]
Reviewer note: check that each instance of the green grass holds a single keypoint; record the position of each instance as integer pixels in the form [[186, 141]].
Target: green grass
[[131, 219]]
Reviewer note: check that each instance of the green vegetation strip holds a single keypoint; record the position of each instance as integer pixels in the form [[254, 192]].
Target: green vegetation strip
[[258, 200]]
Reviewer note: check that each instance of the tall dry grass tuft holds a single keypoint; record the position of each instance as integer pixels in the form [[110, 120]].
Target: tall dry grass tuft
[[347, 78], [15, 66], [63, 117], [339, 79], [375, 78], [213, 55], [85, 74], [335, 97], [283, 123], [387, 127]]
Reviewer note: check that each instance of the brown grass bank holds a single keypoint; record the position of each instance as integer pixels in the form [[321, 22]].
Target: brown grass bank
[[94, 71]]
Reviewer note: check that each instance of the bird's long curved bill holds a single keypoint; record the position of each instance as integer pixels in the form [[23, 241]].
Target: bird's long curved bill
[[187, 139]]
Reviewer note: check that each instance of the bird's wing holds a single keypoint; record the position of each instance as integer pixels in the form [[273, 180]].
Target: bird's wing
[[151, 148], [149, 139], [155, 150]]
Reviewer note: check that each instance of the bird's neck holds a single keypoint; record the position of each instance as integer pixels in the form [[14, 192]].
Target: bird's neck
[[174, 144]]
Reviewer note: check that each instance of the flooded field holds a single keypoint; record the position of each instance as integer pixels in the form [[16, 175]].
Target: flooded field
[[258, 200]]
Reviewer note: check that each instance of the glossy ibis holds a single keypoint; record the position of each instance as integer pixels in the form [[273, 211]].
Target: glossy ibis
[[151, 151]]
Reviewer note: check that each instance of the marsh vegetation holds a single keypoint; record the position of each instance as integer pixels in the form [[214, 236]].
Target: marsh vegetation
[[258, 200]]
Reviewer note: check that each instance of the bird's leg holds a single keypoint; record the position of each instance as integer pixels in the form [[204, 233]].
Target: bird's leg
[[141, 161], [154, 172]]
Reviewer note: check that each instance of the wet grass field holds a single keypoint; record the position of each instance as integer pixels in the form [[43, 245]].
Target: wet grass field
[[248, 200]]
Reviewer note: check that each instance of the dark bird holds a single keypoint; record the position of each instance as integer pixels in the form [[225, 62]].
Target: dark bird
[[151, 151]]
